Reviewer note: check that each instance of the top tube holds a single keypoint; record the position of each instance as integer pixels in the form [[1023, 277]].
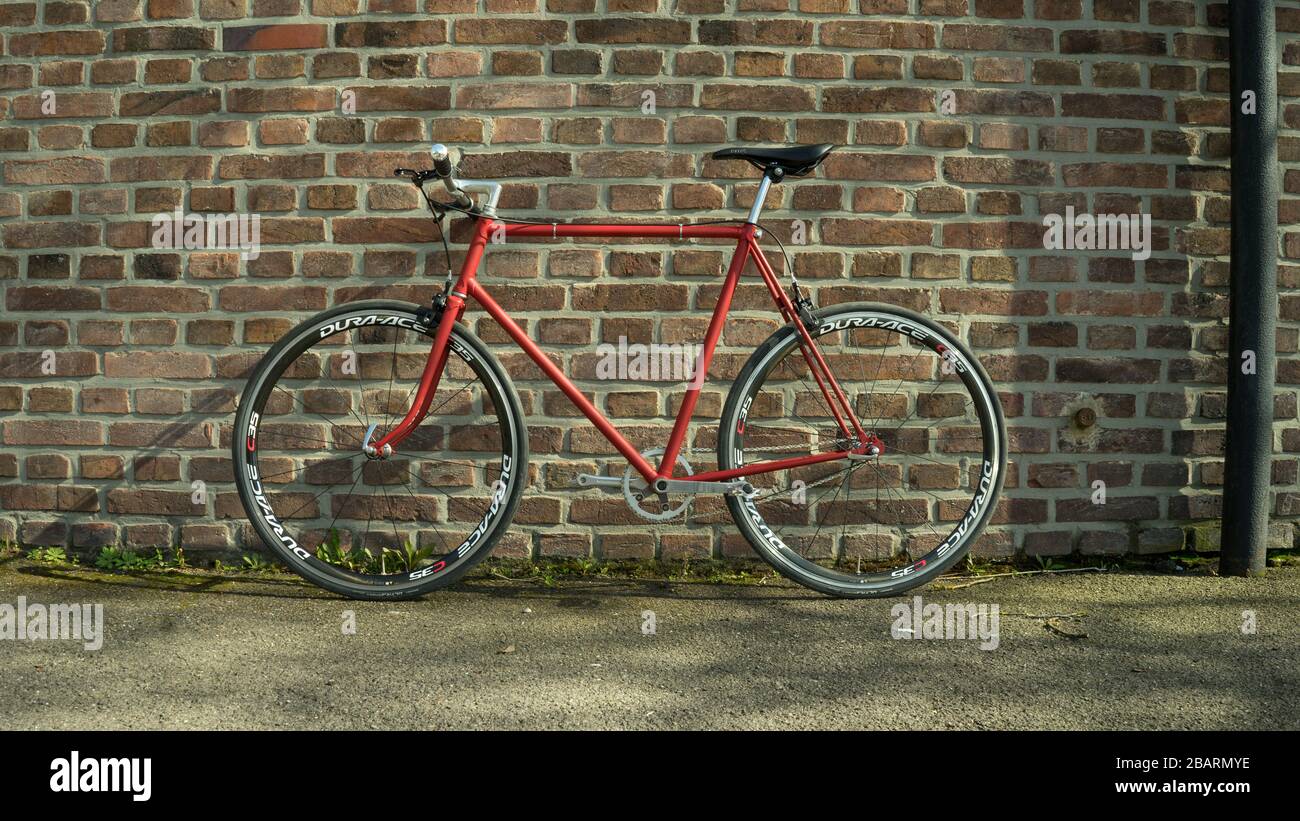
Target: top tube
[[655, 230]]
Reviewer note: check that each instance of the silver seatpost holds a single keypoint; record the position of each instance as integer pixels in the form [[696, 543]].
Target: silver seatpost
[[759, 198]]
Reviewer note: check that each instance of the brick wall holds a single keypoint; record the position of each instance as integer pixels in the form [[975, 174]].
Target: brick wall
[[236, 105]]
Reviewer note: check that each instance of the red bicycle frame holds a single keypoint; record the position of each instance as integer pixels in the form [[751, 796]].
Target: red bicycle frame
[[467, 287]]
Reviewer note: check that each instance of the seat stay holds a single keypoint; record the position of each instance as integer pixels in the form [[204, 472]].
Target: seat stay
[[838, 404]]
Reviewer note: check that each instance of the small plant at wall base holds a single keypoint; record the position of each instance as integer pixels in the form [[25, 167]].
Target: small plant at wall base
[[118, 558], [51, 555]]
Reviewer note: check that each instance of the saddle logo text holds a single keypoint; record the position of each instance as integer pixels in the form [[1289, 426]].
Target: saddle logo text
[[128, 775]]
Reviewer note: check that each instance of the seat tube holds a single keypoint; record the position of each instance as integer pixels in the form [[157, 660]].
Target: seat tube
[[692, 394]]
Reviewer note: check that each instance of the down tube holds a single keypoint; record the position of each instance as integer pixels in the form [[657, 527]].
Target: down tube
[[561, 381]]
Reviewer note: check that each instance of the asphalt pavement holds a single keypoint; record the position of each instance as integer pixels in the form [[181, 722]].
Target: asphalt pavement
[[1081, 650]]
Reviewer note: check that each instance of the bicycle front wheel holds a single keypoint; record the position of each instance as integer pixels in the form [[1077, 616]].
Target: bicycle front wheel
[[366, 527], [866, 526]]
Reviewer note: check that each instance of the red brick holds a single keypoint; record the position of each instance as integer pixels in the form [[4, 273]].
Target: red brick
[[277, 37]]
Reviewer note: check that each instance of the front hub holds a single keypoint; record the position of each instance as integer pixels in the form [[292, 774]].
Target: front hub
[[370, 450]]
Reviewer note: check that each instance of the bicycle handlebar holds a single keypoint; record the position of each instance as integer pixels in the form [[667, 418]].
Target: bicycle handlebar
[[460, 190], [441, 160], [442, 168]]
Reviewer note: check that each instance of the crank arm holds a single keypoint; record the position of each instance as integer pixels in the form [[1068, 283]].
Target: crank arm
[[610, 483], [736, 487], [687, 486]]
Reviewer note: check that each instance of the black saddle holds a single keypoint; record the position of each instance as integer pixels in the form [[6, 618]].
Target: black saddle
[[795, 161]]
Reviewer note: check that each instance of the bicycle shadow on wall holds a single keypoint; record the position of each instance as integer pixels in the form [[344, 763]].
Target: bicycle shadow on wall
[[214, 428], [153, 472]]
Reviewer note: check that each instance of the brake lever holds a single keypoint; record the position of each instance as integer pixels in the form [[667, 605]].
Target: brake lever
[[417, 177]]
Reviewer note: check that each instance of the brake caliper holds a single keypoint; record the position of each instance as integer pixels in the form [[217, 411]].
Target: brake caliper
[[430, 317]]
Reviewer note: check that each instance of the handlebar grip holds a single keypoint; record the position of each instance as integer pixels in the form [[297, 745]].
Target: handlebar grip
[[441, 160], [443, 168]]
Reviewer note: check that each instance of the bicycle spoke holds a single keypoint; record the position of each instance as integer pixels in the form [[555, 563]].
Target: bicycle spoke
[[811, 504], [317, 496], [812, 544], [356, 478], [437, 531], [880, 365], [324, 419], [392, 373], [848, 505]]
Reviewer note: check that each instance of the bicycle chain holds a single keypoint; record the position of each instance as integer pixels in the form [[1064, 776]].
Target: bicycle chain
[[687, 508], [759, 497], [774, 493]]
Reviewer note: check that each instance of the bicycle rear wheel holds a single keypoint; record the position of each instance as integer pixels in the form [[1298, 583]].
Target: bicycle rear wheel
[[365, 527], [867, 526]]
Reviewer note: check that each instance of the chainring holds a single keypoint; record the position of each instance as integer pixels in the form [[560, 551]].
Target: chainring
[[630, 497]]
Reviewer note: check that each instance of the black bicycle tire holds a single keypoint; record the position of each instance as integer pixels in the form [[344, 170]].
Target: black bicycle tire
[[334, 581], [744, 520]]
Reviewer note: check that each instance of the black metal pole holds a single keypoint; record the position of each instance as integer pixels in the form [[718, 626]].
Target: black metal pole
[[1252, 288]]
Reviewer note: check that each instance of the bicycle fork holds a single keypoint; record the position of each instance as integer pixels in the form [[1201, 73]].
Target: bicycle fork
[[453, 305], [447, 309]]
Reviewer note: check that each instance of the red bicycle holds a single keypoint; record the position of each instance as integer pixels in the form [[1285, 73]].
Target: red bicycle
[[381, 449]]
